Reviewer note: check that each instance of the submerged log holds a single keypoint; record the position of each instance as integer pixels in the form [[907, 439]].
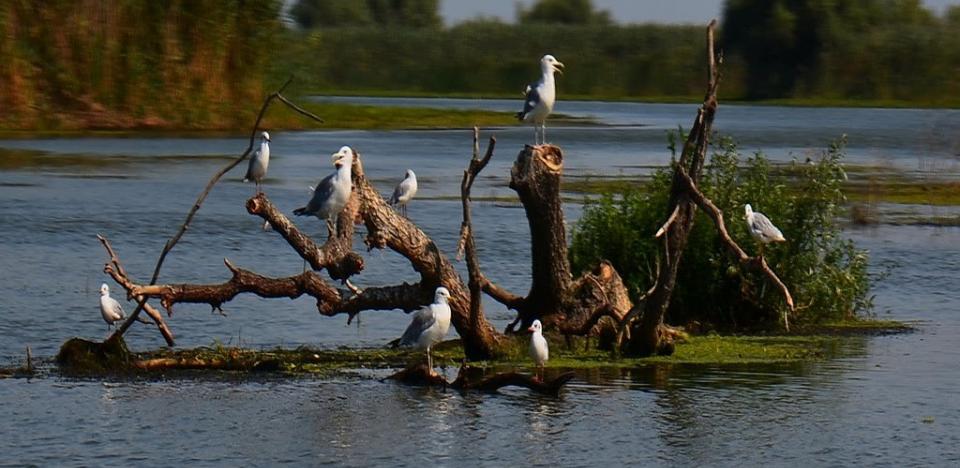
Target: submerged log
[[469, 378]]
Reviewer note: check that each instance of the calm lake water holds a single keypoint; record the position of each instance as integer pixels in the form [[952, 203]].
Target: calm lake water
[[888, 400]]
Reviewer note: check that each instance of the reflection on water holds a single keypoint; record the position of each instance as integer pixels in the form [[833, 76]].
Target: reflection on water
[[881, 400]]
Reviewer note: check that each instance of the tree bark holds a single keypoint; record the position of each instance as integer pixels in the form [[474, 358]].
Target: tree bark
[[536, 178], [386, 229]]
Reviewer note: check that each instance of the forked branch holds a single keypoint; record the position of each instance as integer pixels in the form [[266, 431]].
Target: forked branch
[[206, 191]]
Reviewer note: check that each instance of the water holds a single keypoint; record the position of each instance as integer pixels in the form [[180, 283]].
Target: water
[[890, 400]]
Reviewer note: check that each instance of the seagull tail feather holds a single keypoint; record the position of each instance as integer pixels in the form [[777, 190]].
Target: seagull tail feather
[[300, 211], [520, 116]]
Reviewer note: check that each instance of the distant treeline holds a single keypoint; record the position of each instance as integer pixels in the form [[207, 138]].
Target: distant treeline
[[851, 49], [497, 58], [207, 64], [126, 64]]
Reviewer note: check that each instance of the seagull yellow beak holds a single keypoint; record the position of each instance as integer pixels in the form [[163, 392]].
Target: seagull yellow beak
[[336, 158], [558, 67]]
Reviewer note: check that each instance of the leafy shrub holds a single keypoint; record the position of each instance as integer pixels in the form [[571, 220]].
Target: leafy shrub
[[826, 273]]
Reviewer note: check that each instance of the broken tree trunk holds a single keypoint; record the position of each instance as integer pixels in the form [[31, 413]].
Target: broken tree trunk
[[555, 297]]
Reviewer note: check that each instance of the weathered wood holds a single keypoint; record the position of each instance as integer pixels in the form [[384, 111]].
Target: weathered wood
[[647, 335], [172, 242], [466, 243], [536, 176], [386, 229]]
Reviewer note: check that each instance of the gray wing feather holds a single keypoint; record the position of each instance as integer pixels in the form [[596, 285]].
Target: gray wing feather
[[397, 192], [530, 101], [321, 194], [763, 224], [250, 166], [422, 320], [117, 308]]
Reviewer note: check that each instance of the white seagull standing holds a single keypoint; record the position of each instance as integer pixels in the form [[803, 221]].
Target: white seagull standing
[[259, 162], [429, 325], [539, 351], [110, 309], [539, 97], [404, 192], [762, 229], [331, 193]]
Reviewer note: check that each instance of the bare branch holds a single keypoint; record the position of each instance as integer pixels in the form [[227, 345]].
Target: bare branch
[[335, 255], [206, 191], [121, 278], [757, 263], [467, 243], [666, 225]]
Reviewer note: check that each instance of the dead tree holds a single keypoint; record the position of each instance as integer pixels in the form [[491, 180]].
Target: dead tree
[[645, 323]]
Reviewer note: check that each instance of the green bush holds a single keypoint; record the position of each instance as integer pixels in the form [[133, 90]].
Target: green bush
[[826, 273]]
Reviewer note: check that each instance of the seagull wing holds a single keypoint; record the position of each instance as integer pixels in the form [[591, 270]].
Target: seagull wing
[[765, 227], [529, 102], [251, 165], [321, 194], [422, 320], [116, 309], [397, 193]]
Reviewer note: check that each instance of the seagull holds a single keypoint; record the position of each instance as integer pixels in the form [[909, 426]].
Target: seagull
[[110, 309], [539, 351], [404, 192], [332, 192], [539, 97], [762, 229], [259, 162], [429, 324]]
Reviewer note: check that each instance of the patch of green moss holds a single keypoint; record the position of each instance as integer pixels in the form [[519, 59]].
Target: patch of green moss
[[84, 357], [80, 356]]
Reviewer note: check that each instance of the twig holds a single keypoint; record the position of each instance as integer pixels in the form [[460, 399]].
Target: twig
[[670, 220], [206, 191]]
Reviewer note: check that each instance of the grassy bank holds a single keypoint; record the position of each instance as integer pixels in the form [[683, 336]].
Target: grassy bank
[[335, 116]]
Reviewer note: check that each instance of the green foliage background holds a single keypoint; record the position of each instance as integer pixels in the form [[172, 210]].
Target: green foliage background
[[203, 64], [115, 63], [826, 273]]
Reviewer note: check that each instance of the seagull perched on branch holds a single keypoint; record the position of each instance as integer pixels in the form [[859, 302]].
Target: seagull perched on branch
[[539, 98], [429, 325], [762, 229], [404, 192], [539, 351], [257, 169], [110, 309], [331, 193]]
